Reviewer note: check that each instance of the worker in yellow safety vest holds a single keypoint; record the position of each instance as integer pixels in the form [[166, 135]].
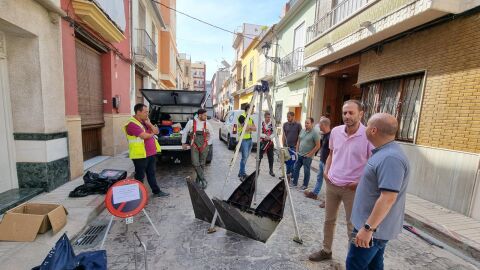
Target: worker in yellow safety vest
[[246, 146], [143, 147]]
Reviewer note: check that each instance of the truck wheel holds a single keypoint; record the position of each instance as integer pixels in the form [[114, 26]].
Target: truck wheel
[[210, 154], [230, 143]]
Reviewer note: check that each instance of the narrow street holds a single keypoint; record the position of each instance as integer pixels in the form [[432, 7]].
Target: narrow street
[[185, 244]]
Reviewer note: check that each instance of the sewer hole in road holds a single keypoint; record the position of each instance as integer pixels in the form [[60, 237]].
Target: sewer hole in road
[[91, 236]]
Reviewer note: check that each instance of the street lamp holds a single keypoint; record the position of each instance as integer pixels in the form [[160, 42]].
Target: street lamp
[[265, 48]]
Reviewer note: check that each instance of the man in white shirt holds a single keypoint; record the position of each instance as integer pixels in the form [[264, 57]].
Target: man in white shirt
[[266, 142], [198, 130]]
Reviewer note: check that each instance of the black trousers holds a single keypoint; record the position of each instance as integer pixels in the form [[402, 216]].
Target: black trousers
[[146, 165], [269, 155]]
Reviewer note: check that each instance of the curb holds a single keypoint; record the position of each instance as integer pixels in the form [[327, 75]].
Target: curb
[[458, 242]]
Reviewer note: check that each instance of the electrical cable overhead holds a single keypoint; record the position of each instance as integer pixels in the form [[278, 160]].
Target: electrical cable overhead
[[205, 22]]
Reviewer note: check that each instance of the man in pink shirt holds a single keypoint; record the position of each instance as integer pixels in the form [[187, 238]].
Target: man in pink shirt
[[140, 126], [349, 152]]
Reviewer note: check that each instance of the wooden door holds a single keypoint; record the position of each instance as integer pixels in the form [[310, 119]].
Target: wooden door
[[298, 114]]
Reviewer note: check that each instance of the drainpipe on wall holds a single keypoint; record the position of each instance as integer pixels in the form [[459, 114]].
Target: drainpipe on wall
[[132, 65]]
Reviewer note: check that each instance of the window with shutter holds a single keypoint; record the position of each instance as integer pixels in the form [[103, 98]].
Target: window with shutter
[[398, 96]]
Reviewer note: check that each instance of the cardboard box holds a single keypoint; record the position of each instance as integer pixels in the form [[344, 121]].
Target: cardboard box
[[25, 221]]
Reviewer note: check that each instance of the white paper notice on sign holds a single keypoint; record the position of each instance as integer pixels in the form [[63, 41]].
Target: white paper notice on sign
[[125, 193]]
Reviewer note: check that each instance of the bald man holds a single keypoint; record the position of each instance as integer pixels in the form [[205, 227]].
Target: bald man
[[379, 204]]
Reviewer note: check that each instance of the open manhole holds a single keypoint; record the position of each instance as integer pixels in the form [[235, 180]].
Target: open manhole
[[91, 236]]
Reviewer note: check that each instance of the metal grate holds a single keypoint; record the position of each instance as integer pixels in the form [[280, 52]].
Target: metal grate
[[91, 237]]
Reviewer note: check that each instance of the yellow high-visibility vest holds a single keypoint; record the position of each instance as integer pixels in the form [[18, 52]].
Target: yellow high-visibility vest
[[136, 145], [248, 134]]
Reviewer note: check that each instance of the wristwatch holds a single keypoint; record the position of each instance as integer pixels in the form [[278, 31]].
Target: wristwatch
[[369, 228]]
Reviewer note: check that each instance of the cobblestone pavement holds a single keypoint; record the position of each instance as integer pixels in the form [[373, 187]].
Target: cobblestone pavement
[[184, 243]]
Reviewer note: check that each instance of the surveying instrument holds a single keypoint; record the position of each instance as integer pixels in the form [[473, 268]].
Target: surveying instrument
[[261, 93]]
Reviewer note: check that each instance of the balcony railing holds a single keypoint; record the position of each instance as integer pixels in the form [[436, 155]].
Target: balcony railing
[[339, 13], [145, 46], [292, 63], [265, 70]]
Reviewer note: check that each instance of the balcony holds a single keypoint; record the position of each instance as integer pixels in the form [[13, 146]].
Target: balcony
[[145, 51], [96, 19], [354, 25], [291, 66], [338, 14], [265, 70]]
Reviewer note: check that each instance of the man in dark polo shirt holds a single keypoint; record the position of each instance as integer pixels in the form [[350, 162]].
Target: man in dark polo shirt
[[379, 204], [324, 126], [291, 130]]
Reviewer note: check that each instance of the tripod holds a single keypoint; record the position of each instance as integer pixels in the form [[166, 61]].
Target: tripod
[[262, 92]]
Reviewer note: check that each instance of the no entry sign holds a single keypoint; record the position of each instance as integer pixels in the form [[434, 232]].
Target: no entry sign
[[126, 198]]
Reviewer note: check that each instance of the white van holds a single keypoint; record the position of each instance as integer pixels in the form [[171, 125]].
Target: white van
[[228, 132]]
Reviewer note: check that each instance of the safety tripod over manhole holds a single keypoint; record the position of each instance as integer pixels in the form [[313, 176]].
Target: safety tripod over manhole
[[236, 213]]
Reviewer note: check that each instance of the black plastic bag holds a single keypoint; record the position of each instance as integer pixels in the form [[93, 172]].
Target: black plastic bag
[[93, 184], [90, 177]]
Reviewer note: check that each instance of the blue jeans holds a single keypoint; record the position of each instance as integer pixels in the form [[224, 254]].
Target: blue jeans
[[318, 185], [245, 149], [305, 162], [366, 258], [290, 166]]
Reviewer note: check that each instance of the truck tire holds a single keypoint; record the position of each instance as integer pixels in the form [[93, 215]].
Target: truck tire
[[230, 143], [210, 155]]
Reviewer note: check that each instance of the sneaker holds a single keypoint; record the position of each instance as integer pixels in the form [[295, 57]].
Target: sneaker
[[310, 195], [292, 185], [303, 188], [161, 194], [322, 204], [242, 177], [281, 178], [272, 174], [320, 256]]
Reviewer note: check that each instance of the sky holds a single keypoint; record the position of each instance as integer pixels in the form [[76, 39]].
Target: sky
[[205, 43]]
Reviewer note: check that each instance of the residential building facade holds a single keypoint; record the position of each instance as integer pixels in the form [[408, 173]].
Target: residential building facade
[[33, 132], [249, 64], [186, 68], [96, 68], [292, 79], [417, 60], [146, 24], [199, 70], [168, 45], [241, 41], [216, 83]]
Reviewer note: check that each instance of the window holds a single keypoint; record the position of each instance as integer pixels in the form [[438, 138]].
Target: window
[[278, 112], [250, 76], [399, 97], [244, 72], [299, 37], [154, 34]]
